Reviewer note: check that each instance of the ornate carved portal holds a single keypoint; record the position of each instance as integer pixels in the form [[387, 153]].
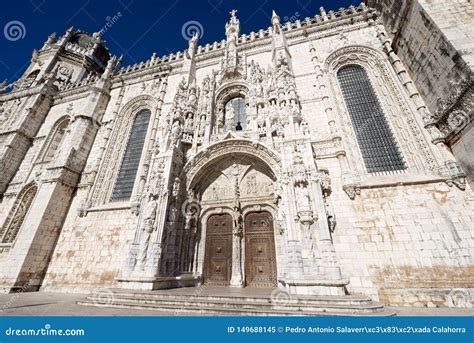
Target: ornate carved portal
[[218, 265], [260, 257]]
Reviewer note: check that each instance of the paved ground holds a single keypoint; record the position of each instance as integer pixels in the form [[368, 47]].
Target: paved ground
[[62, 304]]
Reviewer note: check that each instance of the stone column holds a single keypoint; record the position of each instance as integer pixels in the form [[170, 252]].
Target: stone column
[[329, 268], [237, 279]]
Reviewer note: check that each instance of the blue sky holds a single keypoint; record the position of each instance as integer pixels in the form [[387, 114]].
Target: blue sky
[[137, 27]]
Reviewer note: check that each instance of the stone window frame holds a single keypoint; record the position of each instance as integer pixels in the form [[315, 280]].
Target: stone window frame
[[50, 138], [224, 95], [383, 113], [127, 146], [400, 113], [237, 115], [7, 226], [115, 150]]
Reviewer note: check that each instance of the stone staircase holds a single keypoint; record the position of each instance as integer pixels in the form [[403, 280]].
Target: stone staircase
[[195, 301]]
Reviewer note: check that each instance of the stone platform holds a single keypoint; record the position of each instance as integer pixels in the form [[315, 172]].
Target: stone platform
[[236, 301]]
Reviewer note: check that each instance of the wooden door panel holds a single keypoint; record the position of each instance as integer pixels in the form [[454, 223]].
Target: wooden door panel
[[218, 254], [260, 261]]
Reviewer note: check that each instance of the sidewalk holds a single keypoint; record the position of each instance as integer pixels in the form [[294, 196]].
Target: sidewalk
[[64, 304]]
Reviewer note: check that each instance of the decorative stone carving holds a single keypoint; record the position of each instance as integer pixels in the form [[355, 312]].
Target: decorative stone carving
[[10, 229], [148, 228], [453, 174], [351, 190], [375, 62]]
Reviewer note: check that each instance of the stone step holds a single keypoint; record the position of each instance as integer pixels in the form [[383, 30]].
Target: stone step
[[307, 300], [263, 305], [239, 304], [242, 311]]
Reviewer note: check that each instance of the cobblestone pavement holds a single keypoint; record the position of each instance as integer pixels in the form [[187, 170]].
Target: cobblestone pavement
[[64, 304]]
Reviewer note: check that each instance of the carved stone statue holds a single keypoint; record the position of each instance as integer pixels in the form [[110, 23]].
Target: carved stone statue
[[302, 197], [192, 44], [148, 228]]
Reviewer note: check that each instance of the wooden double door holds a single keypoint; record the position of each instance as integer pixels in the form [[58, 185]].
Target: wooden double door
[[258, 244]]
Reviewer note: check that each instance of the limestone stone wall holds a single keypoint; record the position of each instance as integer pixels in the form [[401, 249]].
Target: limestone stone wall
[[90, 251], [407, 245], [434, 39]]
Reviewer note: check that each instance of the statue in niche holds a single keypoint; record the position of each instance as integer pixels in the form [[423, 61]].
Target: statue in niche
[[230, 118], [176, 185], [220, 118], [148, 227], [189, 122], [302, 197], [238, 220], [191, 219], [202, 126], [206, 84], [192, 99], [175, 131], [172, 214]]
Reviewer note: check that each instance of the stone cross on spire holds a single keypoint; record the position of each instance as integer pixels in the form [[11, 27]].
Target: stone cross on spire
[[232, 28]]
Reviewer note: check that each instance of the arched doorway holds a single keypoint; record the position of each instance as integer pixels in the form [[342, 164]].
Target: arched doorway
[[259, 246], [218, 255], [235, 178], [260, 257]]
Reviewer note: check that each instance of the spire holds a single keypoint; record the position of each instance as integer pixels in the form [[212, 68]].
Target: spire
[[64, 39], [280, 50], [232, 28], [109, 69], [275, 21]]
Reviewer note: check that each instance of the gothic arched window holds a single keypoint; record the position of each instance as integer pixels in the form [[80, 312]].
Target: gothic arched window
[[376, 140], [17, 216], [235, 114], [55, 140], [131, 158]]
